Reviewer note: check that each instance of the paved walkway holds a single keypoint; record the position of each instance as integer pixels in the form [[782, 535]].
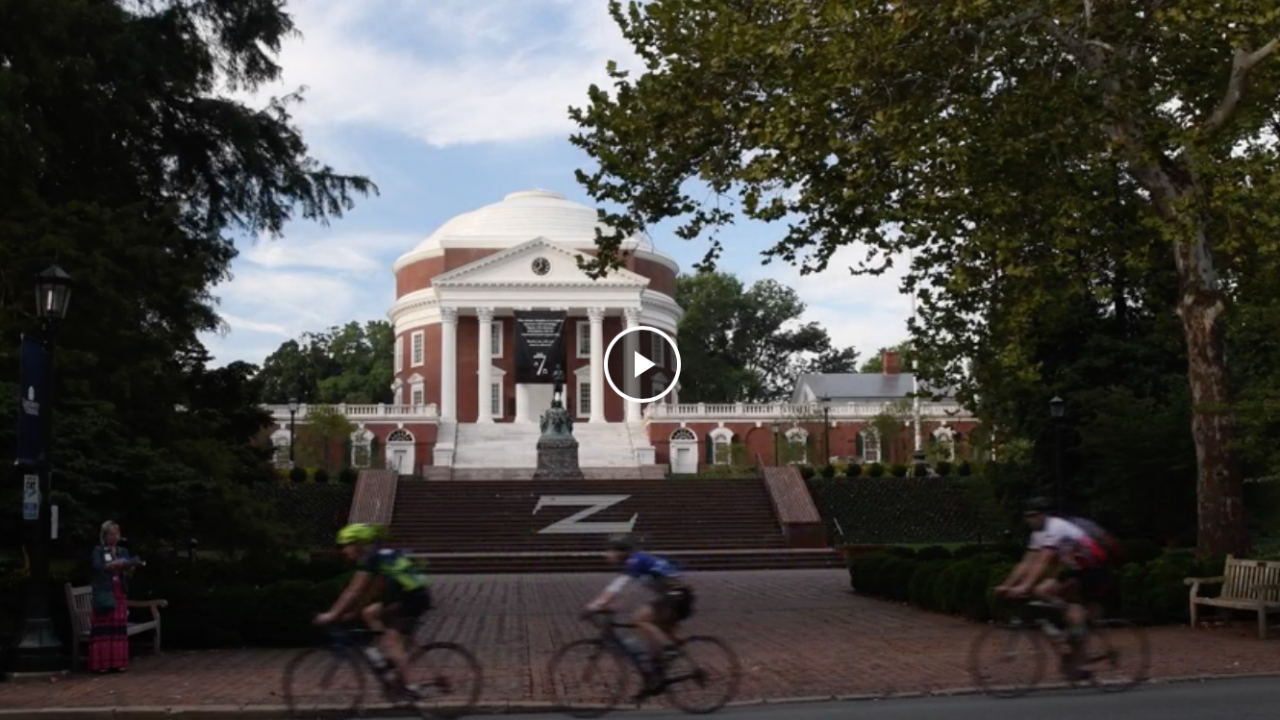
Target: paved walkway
[[798, 633]]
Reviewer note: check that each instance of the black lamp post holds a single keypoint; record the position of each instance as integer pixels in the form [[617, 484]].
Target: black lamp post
[[38, 649], [293, 414], [826, 427], [1057, 409], [776, 461]]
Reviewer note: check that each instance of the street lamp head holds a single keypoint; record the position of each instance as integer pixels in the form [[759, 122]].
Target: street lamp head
[[1057, 407], [293, 405], [774, 426], [53, 293], [825, 400]]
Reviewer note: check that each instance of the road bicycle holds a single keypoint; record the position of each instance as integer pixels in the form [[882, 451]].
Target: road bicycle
[[328, 682], [1036, 632], [615, 658]]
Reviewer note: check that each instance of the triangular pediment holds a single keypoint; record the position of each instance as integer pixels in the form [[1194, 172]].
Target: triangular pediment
[[537, 262]]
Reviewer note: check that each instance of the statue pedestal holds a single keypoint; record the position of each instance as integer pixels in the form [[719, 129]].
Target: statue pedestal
[[558, 458], [557, 448]]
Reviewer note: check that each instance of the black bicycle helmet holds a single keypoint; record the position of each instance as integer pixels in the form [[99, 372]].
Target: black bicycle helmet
[[622, 543], [1037, 506]]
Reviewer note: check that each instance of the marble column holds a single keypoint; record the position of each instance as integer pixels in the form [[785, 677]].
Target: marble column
[[484, 402], [632, 383], [449, 363], [596, 316]]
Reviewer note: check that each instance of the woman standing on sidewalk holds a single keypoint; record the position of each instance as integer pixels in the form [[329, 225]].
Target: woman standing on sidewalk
[[109, 638]]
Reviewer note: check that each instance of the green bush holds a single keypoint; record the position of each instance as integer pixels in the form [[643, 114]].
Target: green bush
[[898, 470], [964, 469], [828, 471], [853, 470], [321, 476], [348, 476], [1140, 551], [806, 472], [943, 468], [298, 475], [875, 470], [920, 470]]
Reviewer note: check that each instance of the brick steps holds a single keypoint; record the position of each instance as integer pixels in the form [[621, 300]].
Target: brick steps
[[501, 525], [754, 559]]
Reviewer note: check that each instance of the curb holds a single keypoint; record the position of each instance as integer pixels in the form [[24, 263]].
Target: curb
[[275, 712]]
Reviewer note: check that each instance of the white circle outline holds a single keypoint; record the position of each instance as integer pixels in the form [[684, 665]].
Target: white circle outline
[[670, 386]]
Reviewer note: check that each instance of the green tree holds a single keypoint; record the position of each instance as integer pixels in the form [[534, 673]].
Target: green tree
[[325, 430], [976, 136], [345, 364], [742, 344], [126, 161]]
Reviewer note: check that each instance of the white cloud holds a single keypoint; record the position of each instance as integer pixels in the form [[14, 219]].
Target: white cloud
[[449, 72], [236, 322], [359, 252]]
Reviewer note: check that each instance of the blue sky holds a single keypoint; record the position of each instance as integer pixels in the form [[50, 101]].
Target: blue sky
[[449, 105]]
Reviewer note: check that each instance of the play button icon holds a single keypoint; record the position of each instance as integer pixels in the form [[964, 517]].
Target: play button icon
[[642, 364]]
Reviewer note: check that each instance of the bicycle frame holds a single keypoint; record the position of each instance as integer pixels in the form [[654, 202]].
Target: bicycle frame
[[353, 642], [613, 641]]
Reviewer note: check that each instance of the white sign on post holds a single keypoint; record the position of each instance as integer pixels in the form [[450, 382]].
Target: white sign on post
[[30, 497], [53, 522]]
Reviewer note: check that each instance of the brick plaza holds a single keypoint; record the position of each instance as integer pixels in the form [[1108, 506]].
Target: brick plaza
[[798, 633]]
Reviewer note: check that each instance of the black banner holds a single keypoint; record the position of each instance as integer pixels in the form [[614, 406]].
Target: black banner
[[31, 394], [539, 345]]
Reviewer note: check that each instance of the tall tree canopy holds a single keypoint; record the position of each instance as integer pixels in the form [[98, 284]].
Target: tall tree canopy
[[347, 364], [742, 344], [126, 162], [977, 135]]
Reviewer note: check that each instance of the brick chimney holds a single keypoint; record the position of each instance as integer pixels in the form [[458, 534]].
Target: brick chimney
[[891, 362]]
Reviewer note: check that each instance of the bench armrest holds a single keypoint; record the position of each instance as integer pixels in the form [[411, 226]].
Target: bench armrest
[[1197, 581], [153, 605]]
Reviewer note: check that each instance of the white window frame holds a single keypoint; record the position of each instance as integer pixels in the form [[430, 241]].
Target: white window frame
[[495, 339], [657, 349], [721, 438], [798, 435], [495, 399], [362, 439], [657, 385], [946, 436], [399, 395], [418, 344], [280, 448], [870, 446], [580, 395], [584, 340], [399, 363]]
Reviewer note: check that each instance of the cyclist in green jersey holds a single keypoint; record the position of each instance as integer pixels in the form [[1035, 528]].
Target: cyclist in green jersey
[[402, 592]]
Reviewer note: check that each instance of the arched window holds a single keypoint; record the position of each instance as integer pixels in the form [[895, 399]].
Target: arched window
[[683, 435], [721, 446], [400, 435], [797, 445], [944, 442], [869, 446], [280, 448], [361, 448]]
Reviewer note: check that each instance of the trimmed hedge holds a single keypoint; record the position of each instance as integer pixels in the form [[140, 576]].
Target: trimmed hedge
[[889, 510], [960, 582]]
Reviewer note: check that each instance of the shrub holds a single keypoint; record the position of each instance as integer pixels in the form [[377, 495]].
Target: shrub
[[348, 476], [934, 552], [964, 469], [321, 476], [806, 472], [943, 468], [853, 470], [298, 474], [828, 471], [920, 470], [875, 470], [898, 470], [1140, 551]]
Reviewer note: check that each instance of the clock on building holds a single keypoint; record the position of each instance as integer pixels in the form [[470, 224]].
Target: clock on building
[[541, 266]]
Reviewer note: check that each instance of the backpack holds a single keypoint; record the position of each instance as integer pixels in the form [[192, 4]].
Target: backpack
[[1108, 542]]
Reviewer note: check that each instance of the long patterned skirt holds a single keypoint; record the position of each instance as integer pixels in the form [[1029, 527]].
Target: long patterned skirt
[[109, 638]]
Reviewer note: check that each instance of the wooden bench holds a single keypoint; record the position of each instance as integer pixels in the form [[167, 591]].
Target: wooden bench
[[80, 603], [1246, 585]]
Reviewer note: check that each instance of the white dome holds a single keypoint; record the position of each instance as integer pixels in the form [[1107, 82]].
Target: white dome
[[521, 217]]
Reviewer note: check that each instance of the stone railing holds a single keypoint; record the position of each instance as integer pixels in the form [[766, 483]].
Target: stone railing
[[363, 413], [782, 412]]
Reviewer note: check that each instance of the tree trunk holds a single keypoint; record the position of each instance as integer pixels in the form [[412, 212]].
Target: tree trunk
[[1219, 489]]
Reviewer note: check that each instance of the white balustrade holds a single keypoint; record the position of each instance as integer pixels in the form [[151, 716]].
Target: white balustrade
[[420, 413], [799, 411]]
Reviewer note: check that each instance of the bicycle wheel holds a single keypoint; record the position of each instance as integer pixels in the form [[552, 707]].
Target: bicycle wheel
[[323, 684], [704, 676], [1117, 654], [1016, 646], [447, 679], [588, 678]]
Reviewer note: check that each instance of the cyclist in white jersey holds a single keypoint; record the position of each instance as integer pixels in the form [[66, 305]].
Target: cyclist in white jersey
[[1064, 561]]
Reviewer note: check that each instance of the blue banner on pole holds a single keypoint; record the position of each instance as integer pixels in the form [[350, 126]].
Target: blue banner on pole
[[32, 393]]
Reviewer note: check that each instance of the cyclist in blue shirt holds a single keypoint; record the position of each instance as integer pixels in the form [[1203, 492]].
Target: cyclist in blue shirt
[[659, 620]]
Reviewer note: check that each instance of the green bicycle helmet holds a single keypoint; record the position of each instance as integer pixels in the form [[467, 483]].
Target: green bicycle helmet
[[359, 534]]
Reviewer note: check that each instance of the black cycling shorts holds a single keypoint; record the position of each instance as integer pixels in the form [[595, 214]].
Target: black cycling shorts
[[1092, 584], [673, 606], [404, 611]]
